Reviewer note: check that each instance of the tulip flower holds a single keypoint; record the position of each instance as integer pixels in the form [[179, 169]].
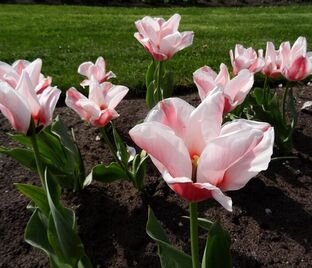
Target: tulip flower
[[97, 69], [12, 74], [197, 157], [22, 103], [296, 62], [99, 107], [161, 38], [246, 58], [273, 61], [235, 90]]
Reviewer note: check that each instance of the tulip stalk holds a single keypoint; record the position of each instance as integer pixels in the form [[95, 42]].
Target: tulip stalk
[[284, 101], [33, 138], [159, 93], [194, 234]]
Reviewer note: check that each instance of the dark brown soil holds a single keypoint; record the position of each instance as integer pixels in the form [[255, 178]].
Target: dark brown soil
[[269, 227]]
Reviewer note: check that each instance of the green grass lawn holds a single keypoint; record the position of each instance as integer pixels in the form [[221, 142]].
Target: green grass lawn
[[65, 36]]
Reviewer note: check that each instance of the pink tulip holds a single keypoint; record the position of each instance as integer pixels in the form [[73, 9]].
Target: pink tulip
[[296, 62], [22, 103], [97, 69], [235, 90], [12, 74], [273, 61], [197, 157], [99, 107], [161, 38], [243, 58]]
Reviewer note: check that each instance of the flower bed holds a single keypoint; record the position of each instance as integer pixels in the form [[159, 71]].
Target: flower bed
[[269, 226]]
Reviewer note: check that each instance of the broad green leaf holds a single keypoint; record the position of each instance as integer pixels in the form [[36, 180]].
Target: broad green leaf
[[36, 233], [107, 174], [35, 194], [24, 156], [169, 256], [139, 169], [259, 94], [149, 77], [217, 251], [61, 234], [150, 95]]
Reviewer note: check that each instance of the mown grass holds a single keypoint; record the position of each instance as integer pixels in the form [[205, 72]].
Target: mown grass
[[65, 36]]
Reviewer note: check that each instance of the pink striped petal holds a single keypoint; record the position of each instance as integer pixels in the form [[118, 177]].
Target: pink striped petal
[[160, 142], [14, 108]]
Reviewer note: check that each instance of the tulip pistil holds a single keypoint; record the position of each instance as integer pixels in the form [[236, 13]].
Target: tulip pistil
[[195, 160]]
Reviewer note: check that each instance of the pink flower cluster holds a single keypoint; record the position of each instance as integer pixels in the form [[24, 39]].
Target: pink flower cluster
[[26, 94], [294, 63], [99, 108]]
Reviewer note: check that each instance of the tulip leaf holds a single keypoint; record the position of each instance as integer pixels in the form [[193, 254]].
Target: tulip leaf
[[24, 156], [169, 256], [37, 195], [203, 223], [61, 226], [121, 147], [150, 102], [139, 169], [149, 77], [167, 84], [107, 174], [217, 251], [36, 233]]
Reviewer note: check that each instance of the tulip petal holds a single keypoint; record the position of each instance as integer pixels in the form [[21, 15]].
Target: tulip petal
[[250, 164], [238, 88], [172, 112], [171, 25], [27, 90], [205, 122], [72, 101], [84, 67], [204, 78], [48, 100], [34, 70], [223, 152], [14, 108], [115, 95], [223, 77], [160, 142], [4, 68]]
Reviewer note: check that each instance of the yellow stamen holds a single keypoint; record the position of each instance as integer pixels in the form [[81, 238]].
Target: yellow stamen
[[195, 160]]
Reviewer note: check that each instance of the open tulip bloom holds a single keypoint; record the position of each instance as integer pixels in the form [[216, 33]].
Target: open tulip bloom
[[197, 156], [246, 58], [99, 108], [97, 70], [161, 38], [235, 90], [12, 74], [23, 103]]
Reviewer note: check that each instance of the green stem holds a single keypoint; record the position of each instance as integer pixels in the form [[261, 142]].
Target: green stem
[[40, 170], [265, 91], [109, 144], [159, 95], [194, 234], [284, 102]]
